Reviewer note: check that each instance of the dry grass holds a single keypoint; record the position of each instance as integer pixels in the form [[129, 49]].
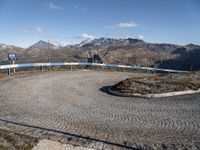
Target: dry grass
[[19, 73]]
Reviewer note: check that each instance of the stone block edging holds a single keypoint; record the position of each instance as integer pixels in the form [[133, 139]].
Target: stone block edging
[[169, 94]]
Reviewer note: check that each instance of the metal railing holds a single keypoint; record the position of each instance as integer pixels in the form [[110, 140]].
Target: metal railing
[[89, 64]]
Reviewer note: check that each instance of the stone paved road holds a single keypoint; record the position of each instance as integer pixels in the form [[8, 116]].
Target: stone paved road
[[73, 102]]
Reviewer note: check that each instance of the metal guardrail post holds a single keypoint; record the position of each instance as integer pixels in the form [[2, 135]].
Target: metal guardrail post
[[8, 71], [13, 62], [42, 68]]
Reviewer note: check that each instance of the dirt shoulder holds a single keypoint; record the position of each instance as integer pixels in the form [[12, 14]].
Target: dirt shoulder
[[159, 84]]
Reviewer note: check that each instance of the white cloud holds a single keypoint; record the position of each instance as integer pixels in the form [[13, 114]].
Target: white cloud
[[54, 7], [125, 25], [141, 37], [36, 30], [25, 30], [64, 43], [86, 36], [39, 30]]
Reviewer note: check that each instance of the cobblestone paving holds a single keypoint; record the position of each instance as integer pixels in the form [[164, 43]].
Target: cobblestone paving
[[73, 104]]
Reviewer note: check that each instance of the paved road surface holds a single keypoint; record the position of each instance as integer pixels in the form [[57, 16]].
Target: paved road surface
[[74, 102]]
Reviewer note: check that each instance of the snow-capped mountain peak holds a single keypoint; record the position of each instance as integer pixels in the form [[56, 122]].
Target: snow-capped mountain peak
[[108, 41]]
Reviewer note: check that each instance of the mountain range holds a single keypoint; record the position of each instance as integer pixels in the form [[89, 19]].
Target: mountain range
[[122, 51]]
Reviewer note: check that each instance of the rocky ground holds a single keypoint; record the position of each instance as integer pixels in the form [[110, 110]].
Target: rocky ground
[[12, 141], [54, 145], [159, 84]]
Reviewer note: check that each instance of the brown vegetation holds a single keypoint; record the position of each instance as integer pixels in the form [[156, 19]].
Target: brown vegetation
[[159, 84]]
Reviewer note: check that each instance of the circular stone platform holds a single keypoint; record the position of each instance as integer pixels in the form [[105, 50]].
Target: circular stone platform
[[75, 102]]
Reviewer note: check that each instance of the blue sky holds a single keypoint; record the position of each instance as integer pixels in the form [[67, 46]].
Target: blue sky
[[24, 22]]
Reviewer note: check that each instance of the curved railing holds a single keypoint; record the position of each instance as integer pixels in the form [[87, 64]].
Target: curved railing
[[89, 64]]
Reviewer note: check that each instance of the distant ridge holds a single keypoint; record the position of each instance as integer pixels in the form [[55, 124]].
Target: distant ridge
[[6, 49], [120, 51], [42, 45], [108, 41]]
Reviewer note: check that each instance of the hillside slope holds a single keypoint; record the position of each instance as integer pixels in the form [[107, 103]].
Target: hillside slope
[[120, 51]]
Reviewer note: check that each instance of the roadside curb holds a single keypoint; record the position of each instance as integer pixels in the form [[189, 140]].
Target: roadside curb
[[76, 140], [152, 95]]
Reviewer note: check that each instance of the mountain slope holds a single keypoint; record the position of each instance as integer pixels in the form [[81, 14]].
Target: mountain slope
[[129, 51], [188, 59], [41, 45], [108, 42], [47, 52], [120, 51], [6, 49], [38, 51]]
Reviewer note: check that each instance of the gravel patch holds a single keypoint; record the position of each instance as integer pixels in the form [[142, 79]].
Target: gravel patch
[[54, 145], [75, 102]]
